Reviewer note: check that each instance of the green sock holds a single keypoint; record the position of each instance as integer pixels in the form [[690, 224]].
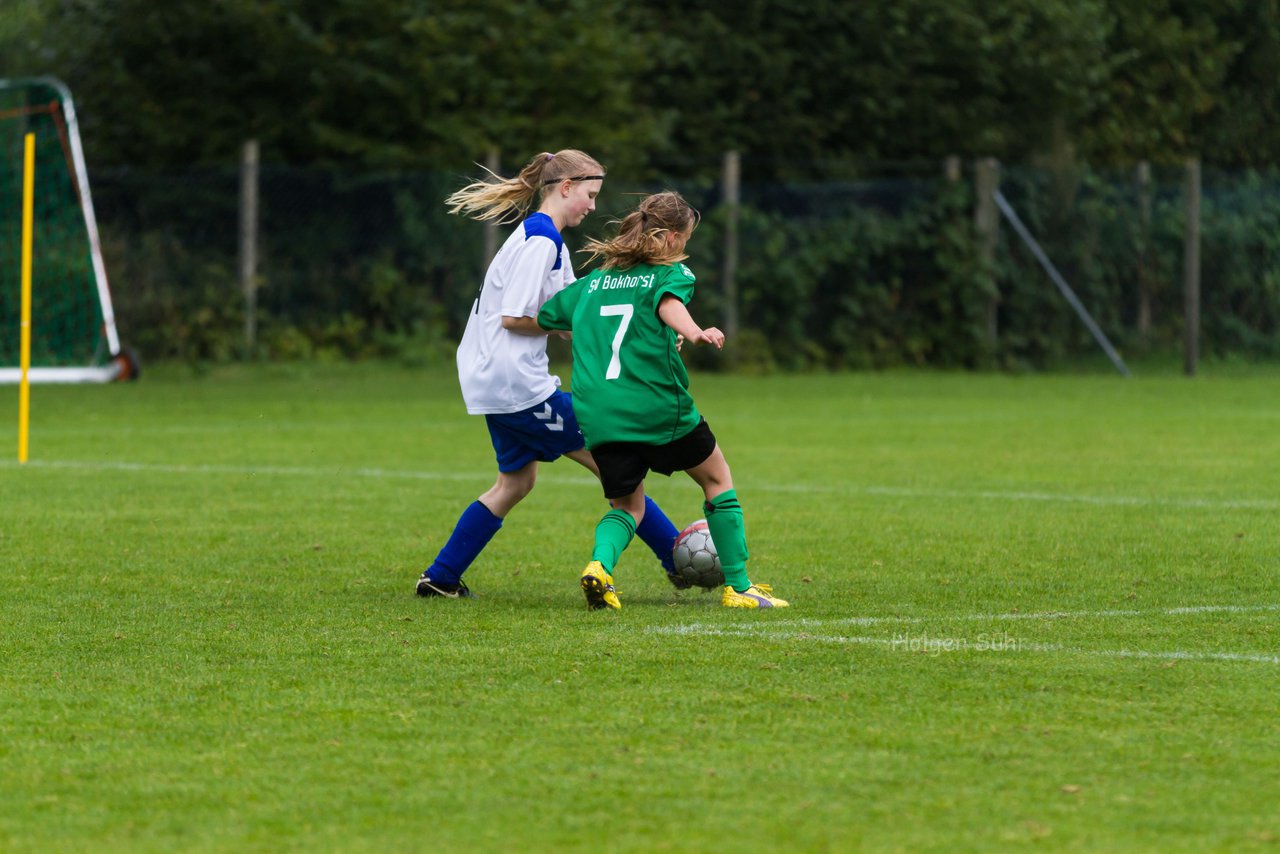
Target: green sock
[[729, 533], [613, 535]]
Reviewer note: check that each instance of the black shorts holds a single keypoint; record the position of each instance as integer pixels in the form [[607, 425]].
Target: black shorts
[[623, 465]]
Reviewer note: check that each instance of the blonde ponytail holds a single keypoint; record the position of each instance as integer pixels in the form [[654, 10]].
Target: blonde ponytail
[[507, 200]]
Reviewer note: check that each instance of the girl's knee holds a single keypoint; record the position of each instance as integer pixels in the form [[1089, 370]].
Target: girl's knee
[[632, 504], [517, 488]]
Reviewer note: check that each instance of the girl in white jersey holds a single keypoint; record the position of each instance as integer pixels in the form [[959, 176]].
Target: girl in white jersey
[[502, 360]]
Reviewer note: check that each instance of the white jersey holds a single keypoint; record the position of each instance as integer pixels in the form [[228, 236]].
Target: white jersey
[[501, 371]]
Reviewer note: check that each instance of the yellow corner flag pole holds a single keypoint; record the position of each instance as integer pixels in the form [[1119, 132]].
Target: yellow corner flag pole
[[28, 215]]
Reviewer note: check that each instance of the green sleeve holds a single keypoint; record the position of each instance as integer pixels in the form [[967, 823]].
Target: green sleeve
[[557, 312], [676, 280]]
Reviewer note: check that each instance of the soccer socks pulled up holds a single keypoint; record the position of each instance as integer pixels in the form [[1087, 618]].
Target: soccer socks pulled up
[[474, 530], [656, 531], [613, 534], [728, 532]]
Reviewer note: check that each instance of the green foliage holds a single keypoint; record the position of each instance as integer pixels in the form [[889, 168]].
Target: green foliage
[[22, 53], [383, 83], [833, 275], [372, 110], [1243, 127], [658, 86], [1096, 242], [1150, 107], [177, 303], [1241, 263], [352, 266]]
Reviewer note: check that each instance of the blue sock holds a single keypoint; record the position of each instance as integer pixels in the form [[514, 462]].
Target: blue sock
[[474, 530], [657, 532]]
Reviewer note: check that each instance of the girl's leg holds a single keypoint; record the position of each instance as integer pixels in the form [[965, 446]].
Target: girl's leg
[[724, 517], [613, 535], [653, 527], [477, 526], [510, 489], [617, 527]]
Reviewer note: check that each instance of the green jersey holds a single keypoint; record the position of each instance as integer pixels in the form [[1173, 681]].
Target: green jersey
[[629, 384]]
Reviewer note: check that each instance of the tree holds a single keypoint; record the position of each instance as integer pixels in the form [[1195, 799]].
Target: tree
[[801, 87], [20, 54], [384, 83], [1242, 125], [827, 81], [1168, 61]]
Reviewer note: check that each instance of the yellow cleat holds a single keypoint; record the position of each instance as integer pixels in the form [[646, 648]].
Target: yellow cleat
[[755, 596], [597, 586]]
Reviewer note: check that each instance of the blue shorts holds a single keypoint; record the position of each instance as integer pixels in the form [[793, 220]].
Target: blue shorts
[[544, 432]]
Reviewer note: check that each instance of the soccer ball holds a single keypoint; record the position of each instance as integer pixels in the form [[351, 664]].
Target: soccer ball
[[696, 559]]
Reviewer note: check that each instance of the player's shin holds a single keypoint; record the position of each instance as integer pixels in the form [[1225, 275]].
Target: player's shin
[[474, 530], [613, 535], [658, 533], [728, 532]]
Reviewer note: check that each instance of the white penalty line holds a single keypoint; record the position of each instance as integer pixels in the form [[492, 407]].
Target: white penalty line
[[823, 489], [253, 471], [936, 646], [924, 645], [1187, 610]]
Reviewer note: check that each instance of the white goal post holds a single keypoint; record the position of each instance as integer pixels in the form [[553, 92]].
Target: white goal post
[[73, 326]]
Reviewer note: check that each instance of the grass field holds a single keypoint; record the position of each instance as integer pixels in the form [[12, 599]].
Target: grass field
[[1027, 612]]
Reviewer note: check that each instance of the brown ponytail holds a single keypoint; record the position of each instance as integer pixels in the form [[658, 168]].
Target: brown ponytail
[[642, 234]]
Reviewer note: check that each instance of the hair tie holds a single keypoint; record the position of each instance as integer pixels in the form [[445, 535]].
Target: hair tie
[[549, 156]]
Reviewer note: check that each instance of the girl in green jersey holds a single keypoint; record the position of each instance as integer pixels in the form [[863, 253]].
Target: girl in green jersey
[[502, 360], [631, 391]]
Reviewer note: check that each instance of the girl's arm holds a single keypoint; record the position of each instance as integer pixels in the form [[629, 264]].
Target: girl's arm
[[674, 314], [522, 325]]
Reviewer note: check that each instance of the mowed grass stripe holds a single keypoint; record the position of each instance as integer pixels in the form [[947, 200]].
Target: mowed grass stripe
[[218, 648], [799, 488]]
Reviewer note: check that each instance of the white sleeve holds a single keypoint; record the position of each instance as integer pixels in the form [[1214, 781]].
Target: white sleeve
[[528, 272], [566, 267]]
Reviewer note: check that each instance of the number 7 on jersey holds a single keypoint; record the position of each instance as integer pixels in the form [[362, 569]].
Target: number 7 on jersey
[[625, 312]]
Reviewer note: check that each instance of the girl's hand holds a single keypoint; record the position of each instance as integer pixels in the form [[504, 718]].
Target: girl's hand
[[679, 341], [710, 335]]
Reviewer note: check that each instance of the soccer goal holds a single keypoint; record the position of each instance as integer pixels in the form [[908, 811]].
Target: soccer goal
[[73, 328]]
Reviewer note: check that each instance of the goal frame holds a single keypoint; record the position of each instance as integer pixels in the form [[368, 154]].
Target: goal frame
[[120, 364]]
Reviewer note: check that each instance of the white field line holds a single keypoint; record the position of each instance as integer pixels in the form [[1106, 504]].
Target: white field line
[[923, 643], [819, 489], [995, 618], [253, 471], [1059, 497]]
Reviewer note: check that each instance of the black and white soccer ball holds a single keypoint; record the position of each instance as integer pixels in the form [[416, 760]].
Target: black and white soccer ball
[[696, 559]]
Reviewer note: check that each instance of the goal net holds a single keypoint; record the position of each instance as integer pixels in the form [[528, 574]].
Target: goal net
[[73, 331]]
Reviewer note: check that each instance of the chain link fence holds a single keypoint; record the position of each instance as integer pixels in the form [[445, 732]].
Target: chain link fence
[[877, 270]]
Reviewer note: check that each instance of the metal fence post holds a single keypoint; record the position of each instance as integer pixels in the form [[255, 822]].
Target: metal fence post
[[493, 163], [1144, 271], [986, 220], [249, 243], [1191, 270], [729, 271]]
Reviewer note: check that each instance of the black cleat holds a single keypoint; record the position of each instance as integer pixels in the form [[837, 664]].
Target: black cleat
[[678, 581], [427, 587]]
